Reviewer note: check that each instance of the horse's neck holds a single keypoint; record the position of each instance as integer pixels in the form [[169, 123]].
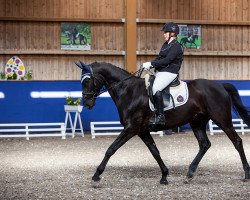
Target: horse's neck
[[114, 79], [111, 78]]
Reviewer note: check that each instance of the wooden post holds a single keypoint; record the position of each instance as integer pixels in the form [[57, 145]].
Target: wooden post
[[130, 35]]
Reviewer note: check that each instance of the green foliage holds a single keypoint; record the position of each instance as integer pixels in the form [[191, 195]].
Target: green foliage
[[197, 41], [73, 102], [29, 74], [14, 76]]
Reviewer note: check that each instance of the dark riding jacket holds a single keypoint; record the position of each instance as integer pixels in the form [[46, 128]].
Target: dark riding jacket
[[170, 58]]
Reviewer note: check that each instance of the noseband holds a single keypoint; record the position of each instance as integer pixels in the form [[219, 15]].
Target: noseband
[[92, 78]]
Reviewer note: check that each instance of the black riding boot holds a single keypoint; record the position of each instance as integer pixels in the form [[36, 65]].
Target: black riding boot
[[159, 118]]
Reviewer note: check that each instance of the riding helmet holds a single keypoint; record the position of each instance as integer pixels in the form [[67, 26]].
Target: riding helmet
[[171, 27]]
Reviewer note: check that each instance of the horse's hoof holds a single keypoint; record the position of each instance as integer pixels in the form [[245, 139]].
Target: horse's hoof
[[96, 184], [164, 182], [96, 178], [245, 180], [190, 175], [247, 177]]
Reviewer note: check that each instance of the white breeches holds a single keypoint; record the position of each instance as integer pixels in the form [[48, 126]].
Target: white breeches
[[162, 80]]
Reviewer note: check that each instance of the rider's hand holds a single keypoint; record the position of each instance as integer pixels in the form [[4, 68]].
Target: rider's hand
[[146, 65]]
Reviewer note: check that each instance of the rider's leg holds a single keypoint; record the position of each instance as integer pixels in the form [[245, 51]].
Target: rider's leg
[[159, 119], [162, 80]]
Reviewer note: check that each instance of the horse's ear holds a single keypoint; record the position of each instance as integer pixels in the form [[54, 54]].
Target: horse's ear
[[83, 64], [86, 69], [78, 65]]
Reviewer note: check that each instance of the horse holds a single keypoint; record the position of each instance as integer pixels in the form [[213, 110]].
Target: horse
[[207, 100], [73, 37], [82, 39], [190, 40]]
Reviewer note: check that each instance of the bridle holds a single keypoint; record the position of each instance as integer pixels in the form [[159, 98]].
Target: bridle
[[95, 94]]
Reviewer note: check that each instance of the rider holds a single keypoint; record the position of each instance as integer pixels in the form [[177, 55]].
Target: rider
[[167, 65], [190, 36]]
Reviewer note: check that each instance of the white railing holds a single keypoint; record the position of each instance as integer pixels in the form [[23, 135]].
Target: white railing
[[28, 130], [238, 125], [110, 128]]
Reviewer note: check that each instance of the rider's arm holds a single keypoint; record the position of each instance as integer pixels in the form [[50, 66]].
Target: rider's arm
[[170, 57]]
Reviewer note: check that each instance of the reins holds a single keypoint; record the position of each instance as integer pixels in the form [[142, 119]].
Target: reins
[[95, 95]]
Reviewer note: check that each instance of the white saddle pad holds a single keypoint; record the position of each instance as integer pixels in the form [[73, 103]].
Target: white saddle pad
[[180, 96]]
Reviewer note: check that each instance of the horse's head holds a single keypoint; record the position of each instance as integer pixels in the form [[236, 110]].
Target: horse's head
[[90, 85]]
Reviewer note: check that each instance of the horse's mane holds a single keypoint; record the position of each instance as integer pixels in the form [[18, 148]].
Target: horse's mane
[[111, 68]]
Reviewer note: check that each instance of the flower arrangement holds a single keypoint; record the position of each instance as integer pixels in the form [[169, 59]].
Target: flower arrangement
[[73, 102], [13, 76]]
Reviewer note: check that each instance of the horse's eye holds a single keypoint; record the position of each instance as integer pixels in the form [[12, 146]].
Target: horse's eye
[[86, 81]]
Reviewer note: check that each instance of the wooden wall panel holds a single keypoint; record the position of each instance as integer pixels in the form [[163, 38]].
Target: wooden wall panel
[[149, 37], [216, 38], [60, 67], [224, 10], [101, 9], [27, 35], [46, 36], [211, 67]]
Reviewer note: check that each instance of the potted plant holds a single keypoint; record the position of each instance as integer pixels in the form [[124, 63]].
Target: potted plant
[[73, 105], [2, 74], [29, 74]]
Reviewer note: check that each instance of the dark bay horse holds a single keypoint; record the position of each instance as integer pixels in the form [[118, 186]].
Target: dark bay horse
[[207, 100], [190, 40]]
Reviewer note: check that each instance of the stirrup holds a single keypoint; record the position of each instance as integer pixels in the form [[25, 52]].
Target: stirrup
[[157, 120]]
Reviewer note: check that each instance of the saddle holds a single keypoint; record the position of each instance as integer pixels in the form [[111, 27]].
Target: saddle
[[174, 95]]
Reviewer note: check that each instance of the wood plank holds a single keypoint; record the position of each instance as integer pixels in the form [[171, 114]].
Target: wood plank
[[2, 36], [174, 9], [180, 9], [198, 22], [245, 68], [192, 10], [232, 10], [130, 35], [60, 19], [204, 36], [239, 10], [60, 52], [2, 8], [186, 7], [216, 10], [202, 53], [204, 10], [245, 10]]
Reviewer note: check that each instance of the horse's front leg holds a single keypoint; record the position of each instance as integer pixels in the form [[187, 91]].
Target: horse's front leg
[[125, 135], [149, 141]]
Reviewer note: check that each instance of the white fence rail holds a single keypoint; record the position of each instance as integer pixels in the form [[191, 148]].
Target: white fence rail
[[28, 130], [110, 128], [238, 125]]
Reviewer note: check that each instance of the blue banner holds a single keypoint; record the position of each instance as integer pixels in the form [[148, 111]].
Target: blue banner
[[43, 101]]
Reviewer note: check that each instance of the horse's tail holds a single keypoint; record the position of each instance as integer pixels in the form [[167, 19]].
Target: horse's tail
[[237, 103]]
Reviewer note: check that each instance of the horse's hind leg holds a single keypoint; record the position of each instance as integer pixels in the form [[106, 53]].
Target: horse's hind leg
[[148, 140], [199, 129], [237, 142]]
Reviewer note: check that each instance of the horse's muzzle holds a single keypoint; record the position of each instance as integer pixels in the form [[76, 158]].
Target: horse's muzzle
[[89, 103]]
